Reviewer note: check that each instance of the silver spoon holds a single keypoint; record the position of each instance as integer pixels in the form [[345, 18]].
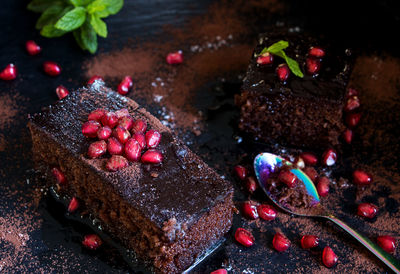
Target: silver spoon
[[266, 163]]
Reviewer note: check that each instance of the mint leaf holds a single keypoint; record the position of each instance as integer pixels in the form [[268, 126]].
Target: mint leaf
[[72, 19], [95, 6], [78, 39], [294, 67], [50, 31], [89, 37], [41, 5], [114, 6], [49, 16], [276, 47], [76, 3], [98, 25]]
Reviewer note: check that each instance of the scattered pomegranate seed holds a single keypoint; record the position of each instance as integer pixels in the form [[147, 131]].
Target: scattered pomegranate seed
[[299, 162], [96, 115], [329, 157], [121, 113], [138, 136], [240, 171], [175, 58], [367, 210], [388, 243], [309, 241], [51, 68], [92, 241], [97, 149], [283, 72], [288, 178], [311, 173], [104, 133], [152, 156], [313, 65], [219, 271], [126, 122], [58, 175], [109, 119], [251, 185], [266, 212], [249, 210], [132, 150], [329, 257], [90, 128], [309, 158], [352, 103], [348, 136], [9, 72], [125, 85], [316, 52], [153, 138], [323, 186], [361, 178], [114, 147], [73, 205], [139, 126], [244, 237], [116, 162], [94, 78], [352, 119], [32, 48], [61, 92], [121, 134], [352, 92], [280, 242], [265, 59]]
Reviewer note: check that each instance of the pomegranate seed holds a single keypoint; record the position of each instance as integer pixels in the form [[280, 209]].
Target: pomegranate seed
[[244, 237], [61, 92], [288, 178], [125, 85], [352, 92], [73, 205], [51, 68], [153, 138], [94, 78], [121, 113], [140, 138], [92, 241], [311, 173], [249, 211], [97, 149], [9, 72], [329, 157], [240, 171], [121, 134], [32, 48], [109, 119], [352, 119], [96, 115], [352, 103], [280, 242], [367, 210], [361, 178], [348, 136], [316, 52], [323, 186], [58, 175], [152, 156], [126, 122], [283, 72], [329, 257], [132, 150], [139, 126], [309, 241], [114, 147], [90, 128], [313, 65], [219, 271], [309, 158], [299, 162], [251, 185], [266, 212], [175, 58], [104, 133], [388, 243], [265, 59], [116, 162]]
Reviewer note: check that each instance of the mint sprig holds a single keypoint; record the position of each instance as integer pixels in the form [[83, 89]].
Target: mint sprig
[[84, 18], [278, 50]]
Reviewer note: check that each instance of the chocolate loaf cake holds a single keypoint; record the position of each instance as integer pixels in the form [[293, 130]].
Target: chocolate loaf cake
[[168, 213], [305, 112]]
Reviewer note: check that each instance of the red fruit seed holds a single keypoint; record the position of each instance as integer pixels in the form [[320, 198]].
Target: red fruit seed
[[280, 242], [139, 126], [32, 48], [388, 243], [288, 178], [265, 59], [96, 115], [125, 85], [121, 134], [244, 237], [352, 103], [309, 241], [9, 72], [249, 211], [311, 173], [309, 158], [361, 178], [266, 212], [348, 136], [313, 65], [58, 175], [114, 147], [219, 271], [51, 68], [126, 122], [61, 92], [94, 78], [352, 119], [240, 171], [251, 185], [92, 241], [316, 52], [73, 205], [152, 156], [104, 133], [323, 186], [109, 119], [283, 72], [367, 210], [116, 162], [132, 150], [97, 149], [175, 58], [329, 257], [140, 138], [121, 113], [153, 138], [329, 157], [90, 128], [352, 92]]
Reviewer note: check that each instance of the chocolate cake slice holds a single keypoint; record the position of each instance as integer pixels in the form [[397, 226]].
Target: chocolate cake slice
[[167, 213], [305, 112]]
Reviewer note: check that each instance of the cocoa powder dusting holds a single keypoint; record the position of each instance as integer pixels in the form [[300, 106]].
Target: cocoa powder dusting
[[8, 111]]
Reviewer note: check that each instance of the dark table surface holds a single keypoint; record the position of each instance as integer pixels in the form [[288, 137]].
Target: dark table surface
[[51, 240]]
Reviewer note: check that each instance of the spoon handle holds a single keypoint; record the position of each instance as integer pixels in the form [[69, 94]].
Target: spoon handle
[[385, 257]]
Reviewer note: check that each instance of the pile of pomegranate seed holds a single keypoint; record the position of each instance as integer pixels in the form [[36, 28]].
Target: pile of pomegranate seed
[[122, 137], [32, 48], [92, 241], [244, 237], [9, 72], [61, 92], [314, 60], [175, 58]]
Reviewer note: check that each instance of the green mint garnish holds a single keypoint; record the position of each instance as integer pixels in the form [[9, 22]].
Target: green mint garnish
[[81, 17], [278, 50]]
